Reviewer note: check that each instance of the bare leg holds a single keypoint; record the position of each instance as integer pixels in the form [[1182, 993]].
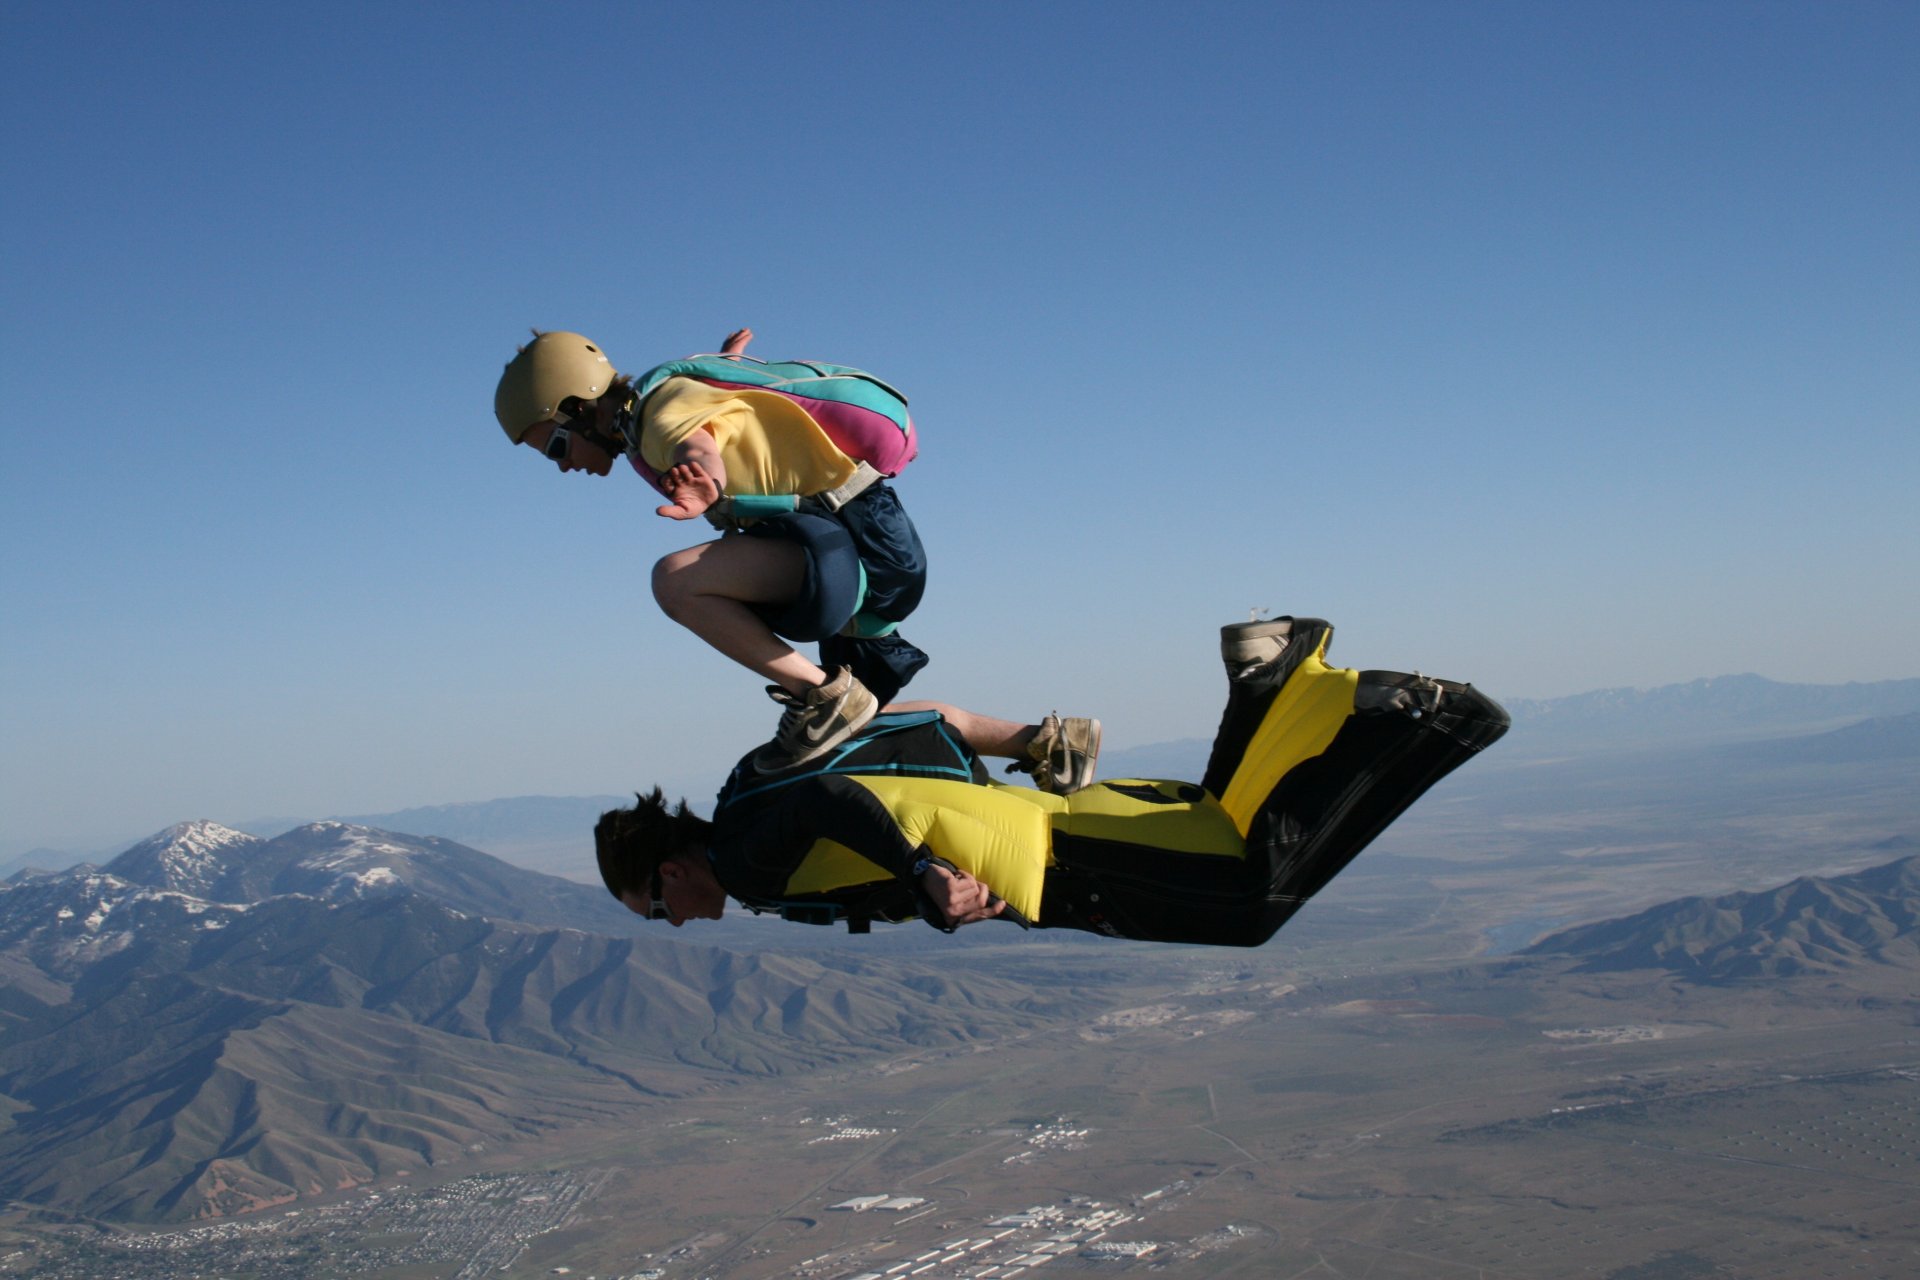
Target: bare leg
[[707, 589], [984, 735]]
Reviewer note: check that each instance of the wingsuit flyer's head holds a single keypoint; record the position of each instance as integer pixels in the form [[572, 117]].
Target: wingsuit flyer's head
[[653, 859]]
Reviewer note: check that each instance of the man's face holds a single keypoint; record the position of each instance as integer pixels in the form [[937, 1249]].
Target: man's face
[[687, 891], [573, 452]]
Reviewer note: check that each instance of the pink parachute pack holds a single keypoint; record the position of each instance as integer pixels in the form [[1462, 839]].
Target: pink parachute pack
[[863, 416]]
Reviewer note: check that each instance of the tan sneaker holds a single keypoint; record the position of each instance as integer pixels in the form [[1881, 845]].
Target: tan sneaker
[[1246, 647], [1063, 755], [815, 724]]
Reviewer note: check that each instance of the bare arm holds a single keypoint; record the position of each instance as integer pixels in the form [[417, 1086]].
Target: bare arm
[[984, 735]]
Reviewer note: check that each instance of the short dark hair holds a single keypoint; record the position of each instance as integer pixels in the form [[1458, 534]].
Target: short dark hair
[[630, 844]]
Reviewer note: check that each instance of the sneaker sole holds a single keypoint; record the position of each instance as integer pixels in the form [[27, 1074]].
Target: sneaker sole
[[1082, 777], [1245, 647], [1090, 761], [1249, 644]]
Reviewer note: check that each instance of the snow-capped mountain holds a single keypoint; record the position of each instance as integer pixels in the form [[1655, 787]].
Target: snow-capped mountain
[[188, 857], [170, 1056], [338, 861], [67, 925]]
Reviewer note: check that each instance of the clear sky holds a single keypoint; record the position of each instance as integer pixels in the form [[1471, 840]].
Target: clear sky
[[1549, 346]]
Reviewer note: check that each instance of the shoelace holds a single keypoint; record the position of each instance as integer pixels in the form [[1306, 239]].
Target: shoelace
[[1048, 771], [1030, 766], [791, 718]]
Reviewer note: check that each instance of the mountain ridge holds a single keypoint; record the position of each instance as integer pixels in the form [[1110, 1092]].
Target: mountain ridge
[[165, 1056], [1809, 925]]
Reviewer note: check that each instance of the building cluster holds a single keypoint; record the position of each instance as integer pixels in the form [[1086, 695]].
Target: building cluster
[[1059, 1135], [1011, 1245], [892, 1204], [1017, 1242], [848, 1132], [468, 1229]]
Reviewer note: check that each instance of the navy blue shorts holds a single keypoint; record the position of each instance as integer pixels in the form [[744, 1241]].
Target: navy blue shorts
[[865, 565], [833, 584], [866, 558]]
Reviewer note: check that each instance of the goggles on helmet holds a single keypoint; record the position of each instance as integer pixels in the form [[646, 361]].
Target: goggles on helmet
[[583, 420]]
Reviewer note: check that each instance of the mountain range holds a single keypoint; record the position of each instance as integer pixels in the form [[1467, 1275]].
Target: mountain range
[[1717, 708], [553, 833], [1810, 925], [215, 1023]]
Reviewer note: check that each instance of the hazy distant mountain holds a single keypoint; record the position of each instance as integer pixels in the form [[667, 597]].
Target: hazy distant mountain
[[482, 823], [1183, 758], [36, 862], [1879, 738], [1716, 708], [31, 869], [1808, 925], [1719, 709], [167, 1055]]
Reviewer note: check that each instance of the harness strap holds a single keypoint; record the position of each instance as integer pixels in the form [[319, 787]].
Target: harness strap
[[728, 512], [856, 919], [863, 478]]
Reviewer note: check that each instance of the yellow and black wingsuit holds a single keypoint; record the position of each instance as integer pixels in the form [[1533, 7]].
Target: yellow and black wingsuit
[[1311, 762]]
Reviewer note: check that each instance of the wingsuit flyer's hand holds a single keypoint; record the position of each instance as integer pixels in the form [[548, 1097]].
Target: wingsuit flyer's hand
[[959, 897], [736, 343], [691, 489]]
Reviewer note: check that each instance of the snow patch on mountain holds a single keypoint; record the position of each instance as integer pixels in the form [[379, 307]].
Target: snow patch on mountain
[[352, 845], [188, 856], [76, 921], [355, 884]]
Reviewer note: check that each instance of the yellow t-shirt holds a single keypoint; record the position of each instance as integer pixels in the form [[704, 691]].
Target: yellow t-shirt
[[768, 444]]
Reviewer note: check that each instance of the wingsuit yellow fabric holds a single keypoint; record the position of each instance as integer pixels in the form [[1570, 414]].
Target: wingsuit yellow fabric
[[1310, 763]]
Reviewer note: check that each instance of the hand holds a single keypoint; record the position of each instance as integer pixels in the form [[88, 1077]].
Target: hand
[[959, 897], [691, 489], [736, 342]]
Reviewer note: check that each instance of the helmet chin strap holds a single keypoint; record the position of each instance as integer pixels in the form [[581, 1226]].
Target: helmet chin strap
[[626, 425], [623, 427]]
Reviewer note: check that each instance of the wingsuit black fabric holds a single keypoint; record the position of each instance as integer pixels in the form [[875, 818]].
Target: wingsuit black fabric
[[1310, 763]]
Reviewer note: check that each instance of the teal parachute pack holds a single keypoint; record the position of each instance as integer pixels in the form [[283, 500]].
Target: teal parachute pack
[[864, 417]]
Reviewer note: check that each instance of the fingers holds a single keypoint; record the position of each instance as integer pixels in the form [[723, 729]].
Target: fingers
[[691, 489], [689, 474], [967, 899]]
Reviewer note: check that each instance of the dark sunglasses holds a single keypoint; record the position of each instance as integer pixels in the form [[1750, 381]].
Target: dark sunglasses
[[657, 908]]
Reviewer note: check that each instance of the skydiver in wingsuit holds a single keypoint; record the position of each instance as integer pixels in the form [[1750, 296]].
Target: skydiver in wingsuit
[[901, 820]]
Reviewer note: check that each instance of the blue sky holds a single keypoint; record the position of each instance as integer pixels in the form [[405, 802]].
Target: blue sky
[[1549, 346]]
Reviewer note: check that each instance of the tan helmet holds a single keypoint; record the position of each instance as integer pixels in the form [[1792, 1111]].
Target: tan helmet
[[551, 368]]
